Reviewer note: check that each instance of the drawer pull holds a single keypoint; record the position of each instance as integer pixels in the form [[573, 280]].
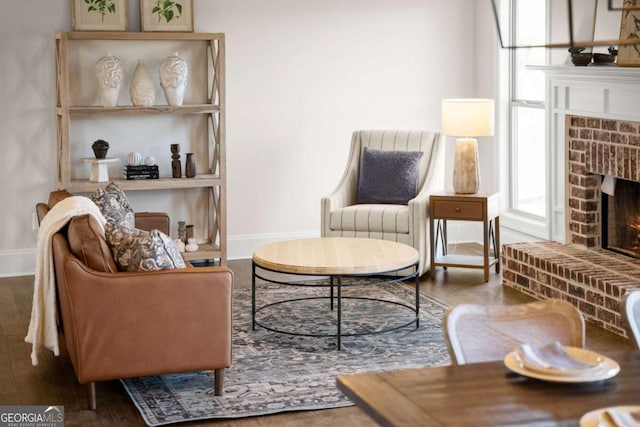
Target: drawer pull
[[458, 209]]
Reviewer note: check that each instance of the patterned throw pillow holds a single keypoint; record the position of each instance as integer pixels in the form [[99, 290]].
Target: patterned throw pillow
[[114, 205], [139, 250]]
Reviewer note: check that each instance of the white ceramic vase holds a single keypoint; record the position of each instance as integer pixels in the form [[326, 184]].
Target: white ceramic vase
[[142, 90], [109, 78], [180, 245], [191, 245], [150, 161], [134, 158], [173, 78]]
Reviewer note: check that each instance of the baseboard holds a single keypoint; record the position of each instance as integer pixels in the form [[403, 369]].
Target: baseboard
[[17, 263]]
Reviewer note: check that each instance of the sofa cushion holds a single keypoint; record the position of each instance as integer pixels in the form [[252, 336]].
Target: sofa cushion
[[139, 250], [388, 176], [57, 196], [381, 218], [89, 246], [114, 205]]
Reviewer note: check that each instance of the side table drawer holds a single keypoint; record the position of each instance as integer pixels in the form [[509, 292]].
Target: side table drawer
[[445, 209]]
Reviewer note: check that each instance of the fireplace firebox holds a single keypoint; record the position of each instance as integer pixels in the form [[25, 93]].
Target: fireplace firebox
[[621, 219]]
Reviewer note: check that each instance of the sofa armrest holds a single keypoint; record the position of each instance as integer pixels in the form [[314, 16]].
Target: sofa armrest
[[149, 220], [120, 325]]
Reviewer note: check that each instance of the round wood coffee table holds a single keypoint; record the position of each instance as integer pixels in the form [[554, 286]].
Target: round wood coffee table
[[339, 258]]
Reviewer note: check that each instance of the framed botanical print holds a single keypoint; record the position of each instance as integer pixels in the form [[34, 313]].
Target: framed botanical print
[[167, 15], [99, 15], [629, 54]]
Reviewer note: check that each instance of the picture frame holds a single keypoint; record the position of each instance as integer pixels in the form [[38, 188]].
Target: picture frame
[[99, 15], [166, 15], [629, 54]]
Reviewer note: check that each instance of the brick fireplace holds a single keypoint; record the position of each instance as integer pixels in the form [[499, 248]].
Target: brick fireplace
[[594, 131]]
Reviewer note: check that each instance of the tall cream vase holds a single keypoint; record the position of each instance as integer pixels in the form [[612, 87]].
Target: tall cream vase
[[173, 78], [142, 90], [109, 78]]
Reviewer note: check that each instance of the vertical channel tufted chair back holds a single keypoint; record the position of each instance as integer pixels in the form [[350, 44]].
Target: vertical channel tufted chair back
[[342, 216]]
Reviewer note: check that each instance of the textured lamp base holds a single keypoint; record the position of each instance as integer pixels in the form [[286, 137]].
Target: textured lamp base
[[466, 171]]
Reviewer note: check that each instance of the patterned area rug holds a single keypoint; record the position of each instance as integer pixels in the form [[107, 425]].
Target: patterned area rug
[[273, 372]]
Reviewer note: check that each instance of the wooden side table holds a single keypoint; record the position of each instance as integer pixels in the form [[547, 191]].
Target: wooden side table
[[465, 207]]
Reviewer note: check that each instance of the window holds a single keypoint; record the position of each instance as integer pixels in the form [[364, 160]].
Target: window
[[526, 171]]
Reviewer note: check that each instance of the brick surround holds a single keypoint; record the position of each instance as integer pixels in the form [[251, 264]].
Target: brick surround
[[596, 147], [592, 279]]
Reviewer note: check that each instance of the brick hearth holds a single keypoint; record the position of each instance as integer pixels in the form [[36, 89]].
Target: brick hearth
[[592, 279]]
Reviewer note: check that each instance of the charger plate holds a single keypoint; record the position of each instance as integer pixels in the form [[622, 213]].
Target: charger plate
[[608, 369], [594, 418]]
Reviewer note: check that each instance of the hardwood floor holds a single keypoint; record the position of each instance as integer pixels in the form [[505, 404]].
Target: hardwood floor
[[53, 380]]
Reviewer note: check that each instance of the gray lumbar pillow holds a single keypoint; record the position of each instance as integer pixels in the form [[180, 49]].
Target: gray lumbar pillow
[[388, 176]]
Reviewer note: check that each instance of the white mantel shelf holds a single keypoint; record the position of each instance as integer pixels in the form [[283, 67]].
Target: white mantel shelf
[[601, 91], [590, 71]]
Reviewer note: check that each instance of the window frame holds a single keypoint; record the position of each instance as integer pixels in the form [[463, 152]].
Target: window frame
[[511, 217]]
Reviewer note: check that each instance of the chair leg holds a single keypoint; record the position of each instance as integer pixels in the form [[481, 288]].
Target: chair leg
[[219, 379], [91, 395]]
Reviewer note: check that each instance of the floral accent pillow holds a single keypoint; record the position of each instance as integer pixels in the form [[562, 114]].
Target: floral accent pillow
[[114, 205], [139, 250]]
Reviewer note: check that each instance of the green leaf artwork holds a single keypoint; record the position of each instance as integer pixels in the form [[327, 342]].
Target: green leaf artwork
[[101, 6], [167, 9]]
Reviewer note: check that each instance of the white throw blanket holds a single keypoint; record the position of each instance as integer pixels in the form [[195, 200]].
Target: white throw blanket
[[43, 329]]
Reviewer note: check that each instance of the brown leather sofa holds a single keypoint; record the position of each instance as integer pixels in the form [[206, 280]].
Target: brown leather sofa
[[118, 325]]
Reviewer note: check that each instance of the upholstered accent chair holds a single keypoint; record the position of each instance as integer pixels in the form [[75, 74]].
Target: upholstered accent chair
[[343, 216], [477, 333]]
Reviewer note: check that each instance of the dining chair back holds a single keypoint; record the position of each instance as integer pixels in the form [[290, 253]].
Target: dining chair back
[[631, 316], [480, 333]]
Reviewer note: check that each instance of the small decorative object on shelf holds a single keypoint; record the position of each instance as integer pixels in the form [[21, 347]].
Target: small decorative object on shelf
[[150, 161], [142, 90], [179, 244], [578, 57], [191, 246], [182, 231], [100, 148], [189, 231], [606, 58], [109, 77], [173, 78], [190, 166], [99, 168], [134, 158], [130, 172], [176, 167]]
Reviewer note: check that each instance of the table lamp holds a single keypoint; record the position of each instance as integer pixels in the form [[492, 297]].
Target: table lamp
[[467, 119]]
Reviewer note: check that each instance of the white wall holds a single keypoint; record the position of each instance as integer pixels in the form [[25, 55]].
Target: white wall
[[301, 76]]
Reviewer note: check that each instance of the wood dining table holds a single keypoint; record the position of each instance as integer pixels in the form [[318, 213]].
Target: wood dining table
[[487, 394]]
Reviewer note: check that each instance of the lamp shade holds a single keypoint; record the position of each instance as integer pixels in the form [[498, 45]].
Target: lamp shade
[[467, 117]]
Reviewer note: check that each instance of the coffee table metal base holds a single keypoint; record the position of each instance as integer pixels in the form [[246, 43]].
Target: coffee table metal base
[[335, 298]]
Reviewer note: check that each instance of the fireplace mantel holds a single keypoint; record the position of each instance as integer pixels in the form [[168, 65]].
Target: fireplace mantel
[[607, 92]]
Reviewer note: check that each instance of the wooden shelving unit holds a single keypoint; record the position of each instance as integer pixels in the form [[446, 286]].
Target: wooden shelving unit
[[213, 180]]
